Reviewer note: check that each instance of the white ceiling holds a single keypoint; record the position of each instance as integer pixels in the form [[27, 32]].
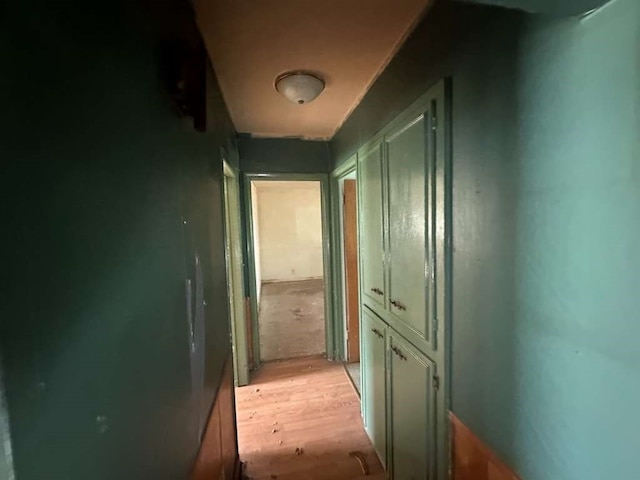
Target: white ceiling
[[347, 42]]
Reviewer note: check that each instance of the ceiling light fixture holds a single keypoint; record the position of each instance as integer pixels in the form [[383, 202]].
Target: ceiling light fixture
[[299, 87]]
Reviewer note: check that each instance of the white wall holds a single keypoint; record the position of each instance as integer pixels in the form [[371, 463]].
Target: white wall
[[290, 224], [256, 239]]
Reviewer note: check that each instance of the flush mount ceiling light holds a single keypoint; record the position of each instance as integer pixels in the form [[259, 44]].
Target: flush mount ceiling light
[[299, 87]]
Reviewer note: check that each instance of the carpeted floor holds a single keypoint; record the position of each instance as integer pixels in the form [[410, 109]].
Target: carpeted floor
[[291, 320], [353, 369]]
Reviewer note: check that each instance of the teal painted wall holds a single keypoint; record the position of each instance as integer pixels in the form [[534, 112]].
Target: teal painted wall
[[108, 195], [548, 7], [546, 191], [283, 155], [6, 455]]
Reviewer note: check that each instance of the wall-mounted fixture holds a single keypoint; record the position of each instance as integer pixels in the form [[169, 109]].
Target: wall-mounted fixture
[[183, 67], [299, 87]]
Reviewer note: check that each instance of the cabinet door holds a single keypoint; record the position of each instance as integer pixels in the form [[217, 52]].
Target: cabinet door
[[371, 224], [373, 358], [413, 448], [409, 226]]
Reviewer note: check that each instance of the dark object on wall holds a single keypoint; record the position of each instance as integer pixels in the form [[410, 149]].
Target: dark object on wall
[[183, 69]]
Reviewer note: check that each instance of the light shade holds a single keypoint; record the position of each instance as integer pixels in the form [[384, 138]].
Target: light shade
[[299, 87]]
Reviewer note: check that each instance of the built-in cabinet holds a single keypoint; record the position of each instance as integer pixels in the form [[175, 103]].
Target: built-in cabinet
[[374, 380], [411, 414], [370, 190], [402, 198]]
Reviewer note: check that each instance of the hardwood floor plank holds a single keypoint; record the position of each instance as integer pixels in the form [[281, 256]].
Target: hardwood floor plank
[[306, 404]]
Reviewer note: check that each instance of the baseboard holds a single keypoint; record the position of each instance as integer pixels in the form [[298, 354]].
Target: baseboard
[[472, 458], [291, 280], [237, 469], [218, 454]]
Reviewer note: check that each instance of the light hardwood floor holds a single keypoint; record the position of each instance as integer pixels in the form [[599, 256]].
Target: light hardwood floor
[[306, 404]]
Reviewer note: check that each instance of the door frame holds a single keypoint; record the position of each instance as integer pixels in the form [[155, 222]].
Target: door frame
[[235, 271], [327, 254], [339, 298]]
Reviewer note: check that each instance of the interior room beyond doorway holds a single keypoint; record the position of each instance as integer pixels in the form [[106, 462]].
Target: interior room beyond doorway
[[289, 268]]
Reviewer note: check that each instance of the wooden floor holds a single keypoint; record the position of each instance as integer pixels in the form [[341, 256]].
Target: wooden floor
[[300, 419]]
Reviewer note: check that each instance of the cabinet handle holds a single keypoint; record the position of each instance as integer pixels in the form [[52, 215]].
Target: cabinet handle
[[377, 291], [399, 353], [398, 305], [377, 332]]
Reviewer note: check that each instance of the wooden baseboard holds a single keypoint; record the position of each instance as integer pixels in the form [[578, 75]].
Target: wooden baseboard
[[218, 455], [472, 459], [302, 279], [237, 469]]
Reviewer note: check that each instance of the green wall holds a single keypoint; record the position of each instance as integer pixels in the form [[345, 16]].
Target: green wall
[[548, 7], [6, 455], [546, 189], [108, 196], [283, 155]]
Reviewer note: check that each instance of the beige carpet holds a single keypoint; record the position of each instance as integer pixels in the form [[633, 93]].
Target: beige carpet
[[291, 320]]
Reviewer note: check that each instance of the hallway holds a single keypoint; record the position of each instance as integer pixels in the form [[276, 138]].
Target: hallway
[[300, 419]]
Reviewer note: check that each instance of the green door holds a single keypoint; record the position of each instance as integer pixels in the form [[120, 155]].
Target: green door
[[409, 269], [373, 360], [412, 412], [371, 225]]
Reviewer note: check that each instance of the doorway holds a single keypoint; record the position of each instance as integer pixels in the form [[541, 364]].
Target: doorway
[[350, 275], [287, 240]]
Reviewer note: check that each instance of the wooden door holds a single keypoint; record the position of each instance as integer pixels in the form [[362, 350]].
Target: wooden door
[[371, 226], [374, 382], [409, 230], [350, 229], [413, 447]]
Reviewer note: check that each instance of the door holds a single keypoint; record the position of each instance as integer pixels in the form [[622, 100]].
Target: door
[[374, 382], [350, 229], [409, 229], [371, 225], [412, 412]]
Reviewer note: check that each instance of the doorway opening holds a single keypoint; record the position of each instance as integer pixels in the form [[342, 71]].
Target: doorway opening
[[289, 268], [348, 223]]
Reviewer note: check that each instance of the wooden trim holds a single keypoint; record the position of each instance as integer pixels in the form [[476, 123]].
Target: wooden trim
[[350, 242], [472, 459], [237, 469], [218, 455]]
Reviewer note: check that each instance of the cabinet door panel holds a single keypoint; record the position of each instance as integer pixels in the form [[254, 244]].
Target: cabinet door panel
[[371, 225], [412, 412], [408, 183], [373, 358]]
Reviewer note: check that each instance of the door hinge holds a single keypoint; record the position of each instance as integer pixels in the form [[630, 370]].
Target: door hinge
[[434, 122], [436, 382]]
